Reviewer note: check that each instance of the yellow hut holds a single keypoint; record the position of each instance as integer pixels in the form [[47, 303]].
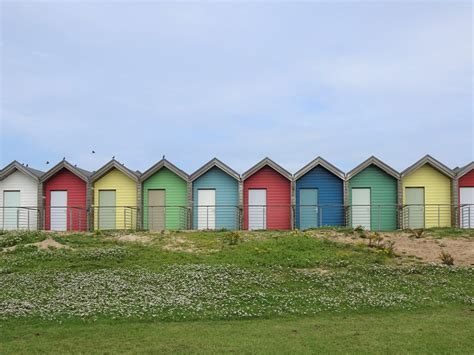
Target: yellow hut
[[427, 194], [115, 197]]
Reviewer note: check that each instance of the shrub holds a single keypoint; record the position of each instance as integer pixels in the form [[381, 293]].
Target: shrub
[[446, 258], [232, 238], [360, 231], [389, 247], [417, 233], [375, 240]]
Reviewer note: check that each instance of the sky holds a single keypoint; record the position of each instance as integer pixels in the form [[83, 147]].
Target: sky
[[236, 80]]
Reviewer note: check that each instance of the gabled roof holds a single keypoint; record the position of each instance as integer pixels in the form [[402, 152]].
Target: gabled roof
[[111, 165], [464, 170], [214, 163], [373, 161], [64, 164], [427, 159], [314, 163], [14, 165], [163, 163], [270, 163]]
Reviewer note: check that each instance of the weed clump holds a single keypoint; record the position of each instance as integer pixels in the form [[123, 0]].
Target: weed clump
[[446, 258], [360, 231], [232, 238], [417, 233]]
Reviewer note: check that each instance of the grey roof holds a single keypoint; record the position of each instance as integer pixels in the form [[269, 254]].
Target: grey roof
[[14, 165], [267, 162], [427, 159], [373, 161], [214, 163], [64, 164], [111, 165], [163, 163], [465, 169], [322, 162]]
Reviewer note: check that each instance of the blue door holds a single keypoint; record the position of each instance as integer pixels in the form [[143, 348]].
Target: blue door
[[309, 210]]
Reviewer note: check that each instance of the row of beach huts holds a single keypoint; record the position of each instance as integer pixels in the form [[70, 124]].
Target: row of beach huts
[[372, 195]]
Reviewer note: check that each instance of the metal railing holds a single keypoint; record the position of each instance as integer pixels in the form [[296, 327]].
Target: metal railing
[[426, 216], [157, 218], [466, 216], [19, 218], [65, 218], [316, 216], [115, 217], [211, 217], [377, 217], [270, 216]]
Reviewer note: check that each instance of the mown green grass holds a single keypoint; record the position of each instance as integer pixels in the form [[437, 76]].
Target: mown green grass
[[442, 330], [219, 291]]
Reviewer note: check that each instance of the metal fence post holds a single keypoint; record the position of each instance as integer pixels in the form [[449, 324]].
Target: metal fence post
[[319, 210], [378, 216], [438, 216], [469, 216], [124, 218]]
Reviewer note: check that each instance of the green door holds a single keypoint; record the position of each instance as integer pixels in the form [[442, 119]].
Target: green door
[[415, 207], [11, 200], [309, 211], [107, 209]]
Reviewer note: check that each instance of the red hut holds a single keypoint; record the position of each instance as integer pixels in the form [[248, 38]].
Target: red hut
[[465, 177], [65, 194], [267, 196]]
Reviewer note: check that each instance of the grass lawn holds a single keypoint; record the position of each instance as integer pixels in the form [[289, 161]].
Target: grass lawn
[[221, 291], [422, 331]]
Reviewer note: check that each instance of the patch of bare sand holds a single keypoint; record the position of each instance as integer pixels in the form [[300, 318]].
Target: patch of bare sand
[[49, 243], [134, 238], [426, 249], [180, 244]]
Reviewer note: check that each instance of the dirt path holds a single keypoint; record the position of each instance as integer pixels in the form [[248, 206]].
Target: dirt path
[[427, 249]]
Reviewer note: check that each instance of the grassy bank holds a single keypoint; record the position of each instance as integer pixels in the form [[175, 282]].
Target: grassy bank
[[252, 291]]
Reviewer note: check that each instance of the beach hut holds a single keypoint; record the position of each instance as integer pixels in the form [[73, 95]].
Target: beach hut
[[215, 189], [426, 194], [267, 196], [372, 189], [165, 197], [19, 192], [66, 197], [115, 197], [465, 179], [319, 190]]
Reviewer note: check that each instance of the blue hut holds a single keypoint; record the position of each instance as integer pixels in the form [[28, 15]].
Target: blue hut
[[215, 190], [319, 195]]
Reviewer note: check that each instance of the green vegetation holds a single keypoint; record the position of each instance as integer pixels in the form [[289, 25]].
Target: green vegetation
[[423, 331], [224, 291]]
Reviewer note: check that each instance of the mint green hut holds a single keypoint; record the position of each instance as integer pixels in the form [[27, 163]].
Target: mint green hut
[[165, 197], [373, 195]]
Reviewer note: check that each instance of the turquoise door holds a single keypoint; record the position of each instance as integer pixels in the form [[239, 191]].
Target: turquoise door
[[309, 211]]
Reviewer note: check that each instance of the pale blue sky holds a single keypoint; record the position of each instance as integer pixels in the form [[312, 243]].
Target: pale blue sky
[[239, 81]]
